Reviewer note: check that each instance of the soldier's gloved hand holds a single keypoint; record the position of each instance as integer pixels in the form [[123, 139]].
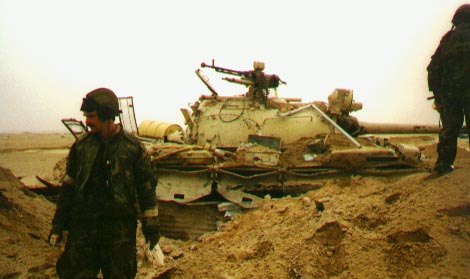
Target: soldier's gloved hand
[[56, 235], [437, 100], [151, 227], [437, 105]]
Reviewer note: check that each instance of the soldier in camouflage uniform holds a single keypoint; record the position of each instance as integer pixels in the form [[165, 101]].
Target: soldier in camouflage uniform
[[449, 80], [108, 172]]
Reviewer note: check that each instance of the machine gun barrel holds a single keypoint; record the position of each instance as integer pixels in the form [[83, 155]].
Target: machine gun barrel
[[226, 71], [239, 81], [258, 82]]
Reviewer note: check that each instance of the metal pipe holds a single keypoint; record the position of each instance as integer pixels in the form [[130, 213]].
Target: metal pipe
[[398, 128]]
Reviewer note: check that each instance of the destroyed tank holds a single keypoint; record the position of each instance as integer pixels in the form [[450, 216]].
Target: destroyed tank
[[243, 147], [237, 150]]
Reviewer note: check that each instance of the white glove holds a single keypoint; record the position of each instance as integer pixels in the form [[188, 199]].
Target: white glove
[[154, 256]]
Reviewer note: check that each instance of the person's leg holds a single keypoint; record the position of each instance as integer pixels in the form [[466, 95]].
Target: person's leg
[[451, 112], [466, 109], [118, 248], [79, 259]]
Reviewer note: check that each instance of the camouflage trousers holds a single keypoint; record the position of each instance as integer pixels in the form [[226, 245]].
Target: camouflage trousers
[[108, 245], [452, 111]]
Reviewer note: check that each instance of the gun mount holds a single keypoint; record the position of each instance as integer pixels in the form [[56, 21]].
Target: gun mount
[[258, 82]]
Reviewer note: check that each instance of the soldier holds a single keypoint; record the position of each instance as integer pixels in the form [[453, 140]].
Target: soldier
[[449, 80], [108, 171]]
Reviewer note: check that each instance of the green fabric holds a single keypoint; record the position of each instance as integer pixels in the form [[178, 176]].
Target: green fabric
[[449, 69], [130, 176], [99, 209], [449, 79], [106, 244], [453, 111]]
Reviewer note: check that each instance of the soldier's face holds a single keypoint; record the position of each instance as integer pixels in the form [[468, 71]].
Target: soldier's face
[[92, 121]]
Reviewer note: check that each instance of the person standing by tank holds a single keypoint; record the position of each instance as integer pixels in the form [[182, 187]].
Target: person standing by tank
[[449, 80], [108, 172]]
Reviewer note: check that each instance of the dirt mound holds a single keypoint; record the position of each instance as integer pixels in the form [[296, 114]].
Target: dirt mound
[[24, 227]]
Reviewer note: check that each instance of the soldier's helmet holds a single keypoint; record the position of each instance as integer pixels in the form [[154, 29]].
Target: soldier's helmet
[[462, 15], [104, 101]]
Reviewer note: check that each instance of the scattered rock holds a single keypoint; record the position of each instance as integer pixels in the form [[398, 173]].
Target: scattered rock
[[461, 210], [306, 201], [392, 198], [418, 235]]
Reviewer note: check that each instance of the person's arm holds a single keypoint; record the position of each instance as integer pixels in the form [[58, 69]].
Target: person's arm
[[64, 203], [435, 71], [146, 183], [436, 67]]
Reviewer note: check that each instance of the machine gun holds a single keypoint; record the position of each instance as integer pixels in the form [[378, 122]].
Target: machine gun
[[258, 82]]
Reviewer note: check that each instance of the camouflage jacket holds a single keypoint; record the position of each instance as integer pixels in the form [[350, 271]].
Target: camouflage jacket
[[131, 179], [449, 69]]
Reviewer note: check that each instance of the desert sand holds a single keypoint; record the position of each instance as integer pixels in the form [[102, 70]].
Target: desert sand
[[402, 226]]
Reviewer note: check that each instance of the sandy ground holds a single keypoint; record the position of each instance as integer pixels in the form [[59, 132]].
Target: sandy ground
[[28, 155], [407, 226]]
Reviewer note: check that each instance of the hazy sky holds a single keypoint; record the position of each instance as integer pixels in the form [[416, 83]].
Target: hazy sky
[[53, 52]]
